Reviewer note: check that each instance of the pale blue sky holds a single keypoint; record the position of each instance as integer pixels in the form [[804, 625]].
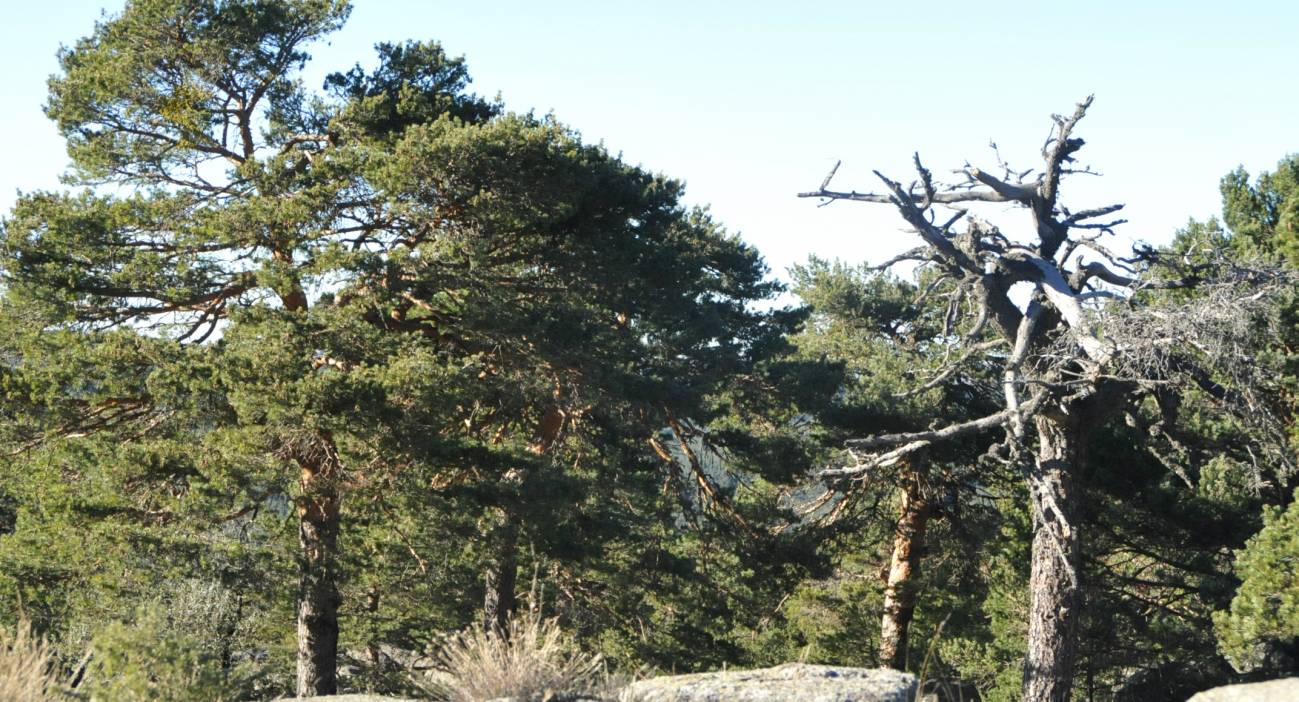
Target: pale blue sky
[[751, 102]]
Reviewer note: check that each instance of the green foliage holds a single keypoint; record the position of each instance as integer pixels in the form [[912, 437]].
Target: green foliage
[[886, 341], [149, 89], [151, 660], [979, 586], [498, 332], [1264, 215], [394, 276], [415, 83], [1261, 629]]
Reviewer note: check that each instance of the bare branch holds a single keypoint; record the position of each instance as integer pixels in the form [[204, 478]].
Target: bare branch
[[914, 216], [1016, 193], [1073, 219], [1060, 150], [910, 442], [830, 176], [949, 369], [920, 253]]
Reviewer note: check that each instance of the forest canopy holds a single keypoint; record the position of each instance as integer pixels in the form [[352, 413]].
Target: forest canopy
[[302, 383]]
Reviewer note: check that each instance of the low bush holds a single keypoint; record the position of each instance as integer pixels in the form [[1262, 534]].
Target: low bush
[[26, 674], [530, 660]]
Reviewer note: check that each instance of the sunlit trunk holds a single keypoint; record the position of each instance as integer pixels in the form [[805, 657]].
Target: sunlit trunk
[[902, 589]]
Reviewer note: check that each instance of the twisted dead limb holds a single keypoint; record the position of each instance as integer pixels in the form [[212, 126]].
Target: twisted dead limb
[[1086, 344]]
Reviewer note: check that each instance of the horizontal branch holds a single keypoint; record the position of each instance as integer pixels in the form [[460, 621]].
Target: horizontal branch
[[909, 442], [943, 198], [1010, 191], [950, 431], [1076, 217]]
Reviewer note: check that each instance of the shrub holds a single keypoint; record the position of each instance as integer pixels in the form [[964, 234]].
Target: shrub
[[531, 660], [150, 660], [25, 671], [1261, 630]]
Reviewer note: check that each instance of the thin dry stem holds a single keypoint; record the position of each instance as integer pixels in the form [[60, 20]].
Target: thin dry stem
[[25, 666], [531, 660]]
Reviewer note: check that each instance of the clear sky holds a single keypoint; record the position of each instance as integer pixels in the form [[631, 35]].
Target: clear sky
[[751, 102]]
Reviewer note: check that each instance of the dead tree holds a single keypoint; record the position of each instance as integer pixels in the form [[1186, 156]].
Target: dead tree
[[1076, 352]]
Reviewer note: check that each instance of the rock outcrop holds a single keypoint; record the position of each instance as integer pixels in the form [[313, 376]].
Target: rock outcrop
[[792, 682], [1286, 690]]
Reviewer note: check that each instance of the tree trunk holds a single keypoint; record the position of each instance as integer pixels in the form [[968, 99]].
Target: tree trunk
[[373, 648], [501, 577], [318, 597], [901, 592], [1053, 584]]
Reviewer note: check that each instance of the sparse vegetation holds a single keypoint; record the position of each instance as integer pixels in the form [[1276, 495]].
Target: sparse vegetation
[[26, 673], [531, 659]]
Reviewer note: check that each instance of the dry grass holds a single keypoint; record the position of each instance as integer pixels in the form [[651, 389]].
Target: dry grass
[[533, 661], [25, 667]]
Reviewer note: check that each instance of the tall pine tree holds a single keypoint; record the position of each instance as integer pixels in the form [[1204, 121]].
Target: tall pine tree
[[387, 276]]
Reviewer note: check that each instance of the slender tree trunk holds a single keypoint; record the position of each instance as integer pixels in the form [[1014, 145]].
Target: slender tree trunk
[[1053, 584], [318, 597], [901, 592], [501, 577], [318, 515], [372, 600], [227, 654]]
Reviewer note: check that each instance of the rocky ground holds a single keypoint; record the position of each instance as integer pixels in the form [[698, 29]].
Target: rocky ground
[[796, 682]]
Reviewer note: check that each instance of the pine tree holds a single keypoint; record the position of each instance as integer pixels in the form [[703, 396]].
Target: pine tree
[[390, 278], [887, 339], [1261, 629]]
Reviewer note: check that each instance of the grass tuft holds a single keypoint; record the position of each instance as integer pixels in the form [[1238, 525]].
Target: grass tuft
[[25, 666], [531, 661]]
